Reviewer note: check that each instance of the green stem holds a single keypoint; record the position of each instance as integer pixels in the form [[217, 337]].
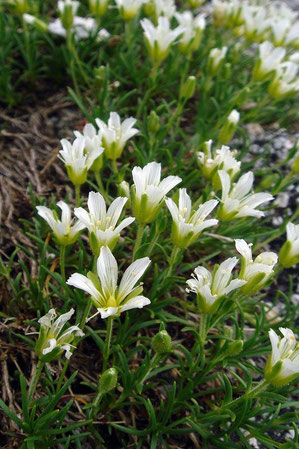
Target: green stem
[[78, 198], [101, 187], [27, 43], [73, 51], [33, 383], [153, 243], [250, 395], [203, 328], [106, 351], [172, 260], [282, 183], [62, 262], [151, 88], [72, 68], [152, 364], [140, 230]]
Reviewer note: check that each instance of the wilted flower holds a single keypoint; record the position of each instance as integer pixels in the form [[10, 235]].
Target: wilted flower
[[221, 159], [285, 82], [283, 364], [212, 287], [289, 253], [268, 61], [64, 231], [129, 8], [159, 39], [107, 297], [76, 160], [53, 340], [215, 60], [93, 141], [67, 10], [188, 224], [193, 30], [255, 272], [116, 134], [236, 201], [148, 191], [102, 224]]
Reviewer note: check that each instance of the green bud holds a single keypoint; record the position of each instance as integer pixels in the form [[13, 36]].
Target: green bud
[[228, 130], [241, 97], [20, 6], [287, 257], [161, 343], [234, 348], [98, 7], [108, 381], [153, 122], [187, 89], [100, 75]]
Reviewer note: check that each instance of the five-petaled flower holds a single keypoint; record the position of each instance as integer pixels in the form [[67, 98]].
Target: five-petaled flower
[[236, 201], [283, 364], [116, 134], [107, 296], [148, 191], [188, 224], [53, 340], [211, 288], [64, 231], [102, 223]]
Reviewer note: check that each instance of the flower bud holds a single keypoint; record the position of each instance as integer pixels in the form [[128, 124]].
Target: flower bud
[[187, 89], [234, 348], [268, 181], [229, 127], [108, 381], [20, 6], [67, 10], [100, 75], [153, 122], [98, 7], [162, 343]]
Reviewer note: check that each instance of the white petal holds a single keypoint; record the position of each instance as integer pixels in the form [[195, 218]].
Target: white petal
[[79, 281], [131, 276], [107, 271], [136, 302], [66, 213]]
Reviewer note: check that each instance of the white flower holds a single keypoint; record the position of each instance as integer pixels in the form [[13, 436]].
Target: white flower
[[193, 30], [188, 224], [256, 22], [285, 82], [76, 160], [65, 233], [236, 201], [116, 134], [93, 141], [226, 13], [52, 339], [216, 57], [148, 191], [222, 159], [165, 8], [289, 253], [107, 297], [102, 223], [268, 60], [212, 287], [159, 39], [255, 272], [283, 365], [82, 28], [129, 8]]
